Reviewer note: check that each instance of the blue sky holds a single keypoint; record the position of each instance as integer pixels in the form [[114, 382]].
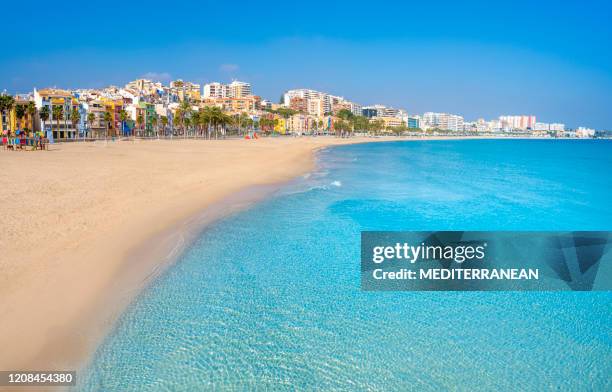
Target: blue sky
[[479, 58]]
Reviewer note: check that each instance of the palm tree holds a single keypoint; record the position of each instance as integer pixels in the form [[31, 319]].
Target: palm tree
[[91, 117], [75, 117], [164, 121], [154, 124], [20, 111], [178, 118], [187, 123], [224, 120], [196, 120], [206, 119], [58, 114], [107, 119], [31, 110], [6, 104], [139, 120], [44, 116], [185, 111], [123, 116]]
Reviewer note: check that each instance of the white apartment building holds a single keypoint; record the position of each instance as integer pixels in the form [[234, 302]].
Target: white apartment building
[[355, 108], [443, 121], [216, 90], [235, 89], [585, 132], [520, 122], [390, 112], [315, 107], [239, 89], [494, 126], [556, 127], [323, 100]]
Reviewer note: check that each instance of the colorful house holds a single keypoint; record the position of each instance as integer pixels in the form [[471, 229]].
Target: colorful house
[[57, 128], [26, 122], [280, 125], [114, 108], [146, 111]]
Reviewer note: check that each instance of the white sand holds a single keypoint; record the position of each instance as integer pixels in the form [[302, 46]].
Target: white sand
[[71, 217]]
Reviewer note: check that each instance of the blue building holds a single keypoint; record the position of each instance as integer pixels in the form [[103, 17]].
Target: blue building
[[413, 123], [369, 112]]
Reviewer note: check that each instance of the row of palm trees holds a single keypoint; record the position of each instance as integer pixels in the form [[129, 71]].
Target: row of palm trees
[[208, 122], [205, 122], [7, 103]]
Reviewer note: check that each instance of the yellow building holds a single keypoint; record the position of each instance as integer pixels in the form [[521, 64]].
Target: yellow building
[[390, 121], [280, 125], [25, 122], [191, 91], [114, 107], [235, 105]]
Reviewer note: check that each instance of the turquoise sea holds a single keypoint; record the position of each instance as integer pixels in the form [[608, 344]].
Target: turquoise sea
[[269, 298]]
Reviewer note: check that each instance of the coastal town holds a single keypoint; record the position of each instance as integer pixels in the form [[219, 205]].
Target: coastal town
[[149, 109]]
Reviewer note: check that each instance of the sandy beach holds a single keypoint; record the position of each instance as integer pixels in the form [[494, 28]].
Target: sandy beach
[[75, 220]]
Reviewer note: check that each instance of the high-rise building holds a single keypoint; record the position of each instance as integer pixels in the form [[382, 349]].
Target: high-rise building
[[382, 111], [520, 122], [324, 100], [443, 121], [235, 89], [239, 89], [216, 90], [413, 122], [556, 127]]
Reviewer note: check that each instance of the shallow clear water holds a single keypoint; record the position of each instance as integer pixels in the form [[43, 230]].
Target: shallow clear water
[[269, 299]]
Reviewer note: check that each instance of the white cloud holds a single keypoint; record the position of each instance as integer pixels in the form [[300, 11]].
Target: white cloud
[[157, 76], [229, 68]]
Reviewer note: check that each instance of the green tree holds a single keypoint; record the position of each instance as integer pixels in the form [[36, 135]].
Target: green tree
[[123, 117], [184, 112], [196, 121], [75, 117], [31, 110], [140, 121], [107, 120], [154, 122], [6, 104], [20, 112], [91, 117], [164, 121], [187, 124], [58, 114], [345, 114], [376, 126], [44, 116]]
